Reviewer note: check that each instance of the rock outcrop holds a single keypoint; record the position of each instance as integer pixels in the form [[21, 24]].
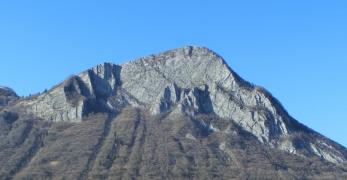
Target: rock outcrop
[[7, 96], [189, 80]]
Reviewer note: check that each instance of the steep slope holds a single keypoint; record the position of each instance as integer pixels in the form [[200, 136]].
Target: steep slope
[[134, 144], [179, 114]]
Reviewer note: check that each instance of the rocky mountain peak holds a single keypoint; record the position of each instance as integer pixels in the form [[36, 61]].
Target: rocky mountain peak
[[7, 95], [6, 91], [188, 81]]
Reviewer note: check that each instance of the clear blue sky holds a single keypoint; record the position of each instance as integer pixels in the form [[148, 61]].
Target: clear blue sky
[[296, 49]]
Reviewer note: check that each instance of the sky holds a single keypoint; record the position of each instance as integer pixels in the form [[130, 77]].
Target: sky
[[296, 49]]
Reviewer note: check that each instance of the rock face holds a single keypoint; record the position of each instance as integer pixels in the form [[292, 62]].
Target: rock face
[[178, 86]]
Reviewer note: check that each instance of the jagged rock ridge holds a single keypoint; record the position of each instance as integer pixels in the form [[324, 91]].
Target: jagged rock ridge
[[188, 82]]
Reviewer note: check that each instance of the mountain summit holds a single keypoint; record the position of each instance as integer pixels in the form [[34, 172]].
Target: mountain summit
[[181, 114]]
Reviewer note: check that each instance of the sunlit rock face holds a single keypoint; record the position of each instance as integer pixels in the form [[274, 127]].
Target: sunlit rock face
[[189, 81]]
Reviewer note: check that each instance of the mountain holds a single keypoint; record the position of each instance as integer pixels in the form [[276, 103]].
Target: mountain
[[181, 114]]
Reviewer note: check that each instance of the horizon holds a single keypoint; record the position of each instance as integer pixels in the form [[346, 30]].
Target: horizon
[[296, 52]]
